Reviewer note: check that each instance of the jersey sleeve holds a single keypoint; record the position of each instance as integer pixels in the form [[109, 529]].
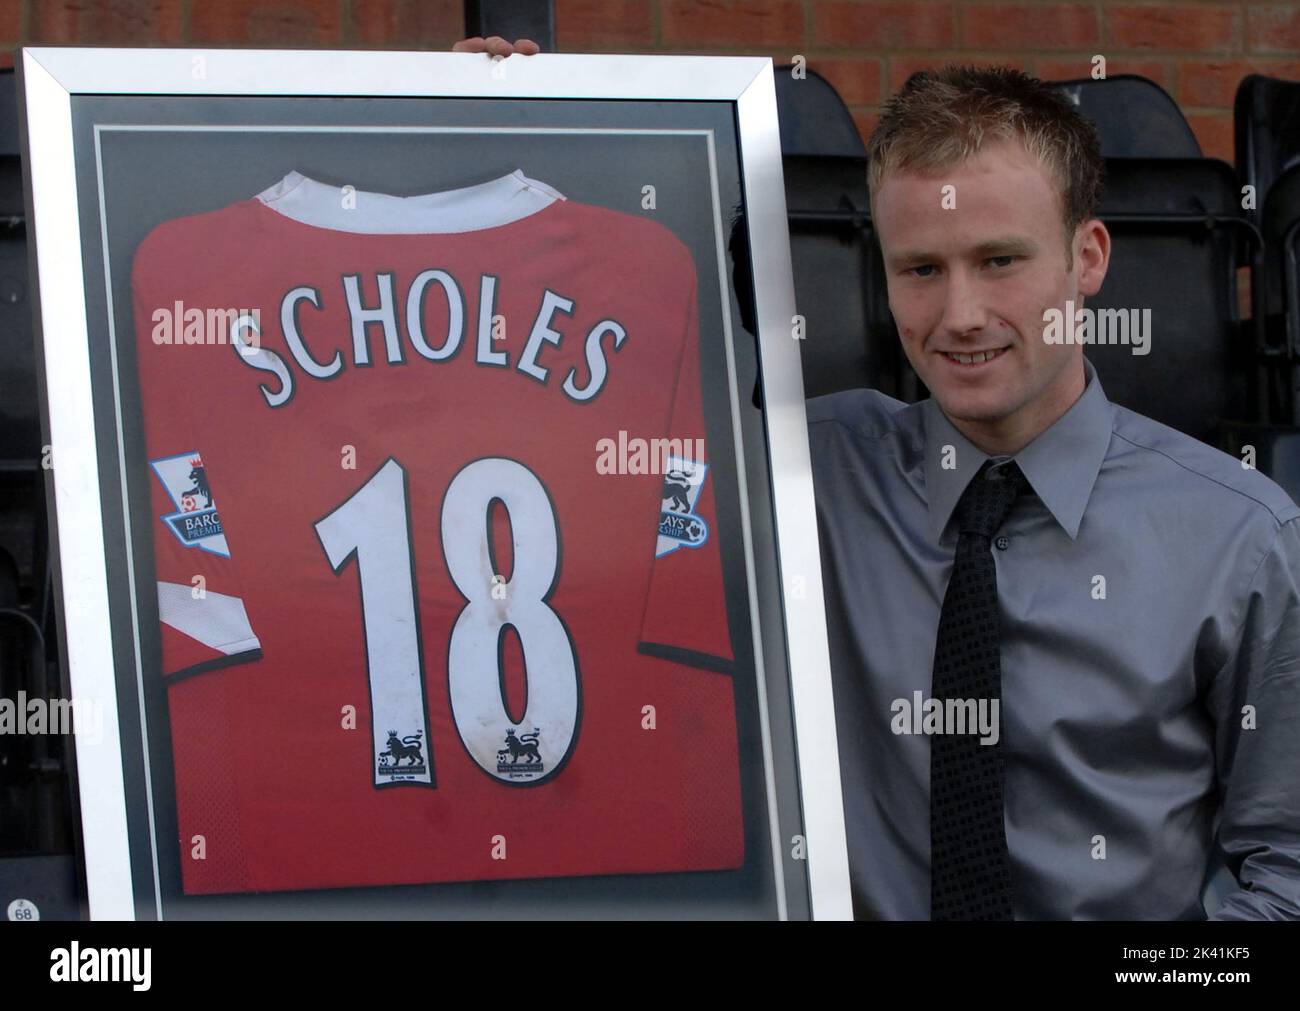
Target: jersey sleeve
[[685, 617], [202, 617]]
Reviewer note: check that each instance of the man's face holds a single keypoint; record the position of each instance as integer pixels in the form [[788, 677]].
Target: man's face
[[970, 272]]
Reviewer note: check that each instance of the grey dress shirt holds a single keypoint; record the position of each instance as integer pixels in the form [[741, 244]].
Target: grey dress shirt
[[1150, 659]]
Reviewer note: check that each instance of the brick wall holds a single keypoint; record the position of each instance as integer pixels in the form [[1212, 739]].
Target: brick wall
[[1197, 51]]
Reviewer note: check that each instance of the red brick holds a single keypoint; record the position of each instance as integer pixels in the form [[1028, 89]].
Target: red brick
[[701, 23], [11, 20], [289, 23], [1273, 29], [1058, 69], [6, 57], [1213, 83], [1244, 307], [109, 22], [405, 24], [1021, 26], [884, 25], [857, 81], [903, 67], [866, 121], [1178, 27], [1214, 134], [603, 25]]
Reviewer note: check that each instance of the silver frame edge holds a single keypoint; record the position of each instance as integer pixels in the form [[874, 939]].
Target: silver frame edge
[[82, 575], [798, 552]]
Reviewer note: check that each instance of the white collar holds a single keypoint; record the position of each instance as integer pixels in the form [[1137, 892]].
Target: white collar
[[469, 209]]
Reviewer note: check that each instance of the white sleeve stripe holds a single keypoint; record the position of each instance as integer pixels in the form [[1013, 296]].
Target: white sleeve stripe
[[217, 620]]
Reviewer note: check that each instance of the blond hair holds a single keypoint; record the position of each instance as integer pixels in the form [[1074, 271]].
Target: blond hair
[[938, 119]]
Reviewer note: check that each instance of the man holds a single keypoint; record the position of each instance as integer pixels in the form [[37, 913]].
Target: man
[[1146, 680], [1058, 726]]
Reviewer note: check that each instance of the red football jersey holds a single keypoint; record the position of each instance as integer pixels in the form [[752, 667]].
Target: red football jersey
[[413, 628]]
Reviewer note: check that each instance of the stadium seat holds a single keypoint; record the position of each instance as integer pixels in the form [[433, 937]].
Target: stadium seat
[[1135, 117], [850, 340], [1176, 225], [1280, 287], [1180, 236], [1266, 132], [1266, 124]]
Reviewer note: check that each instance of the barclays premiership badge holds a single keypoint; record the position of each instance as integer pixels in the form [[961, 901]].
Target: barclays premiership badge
[[195, 523], [679, 525]]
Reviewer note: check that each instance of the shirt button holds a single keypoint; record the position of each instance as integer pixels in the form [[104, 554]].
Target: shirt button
[[1003, 543]]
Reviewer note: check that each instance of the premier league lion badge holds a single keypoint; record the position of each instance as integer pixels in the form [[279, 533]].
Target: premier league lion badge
[[679, 525], [195, 522]]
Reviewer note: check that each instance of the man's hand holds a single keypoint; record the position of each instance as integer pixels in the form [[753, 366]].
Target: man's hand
[[497, 46]]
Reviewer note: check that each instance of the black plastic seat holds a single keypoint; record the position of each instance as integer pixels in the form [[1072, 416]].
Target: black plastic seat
[[1280, 222], [1134, 116], [1266, 132], [1175, 225], [850, 339]]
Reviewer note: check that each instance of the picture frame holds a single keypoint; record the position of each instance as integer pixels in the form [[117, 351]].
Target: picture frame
[[140, 166]]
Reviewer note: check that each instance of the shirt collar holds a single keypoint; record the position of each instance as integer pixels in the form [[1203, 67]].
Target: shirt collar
[[468, 209], [1061, 464]]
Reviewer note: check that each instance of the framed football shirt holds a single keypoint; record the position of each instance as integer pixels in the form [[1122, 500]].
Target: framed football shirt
[[432, 487]]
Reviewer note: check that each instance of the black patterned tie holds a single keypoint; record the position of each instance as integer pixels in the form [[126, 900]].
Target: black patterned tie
[[970, 873]]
